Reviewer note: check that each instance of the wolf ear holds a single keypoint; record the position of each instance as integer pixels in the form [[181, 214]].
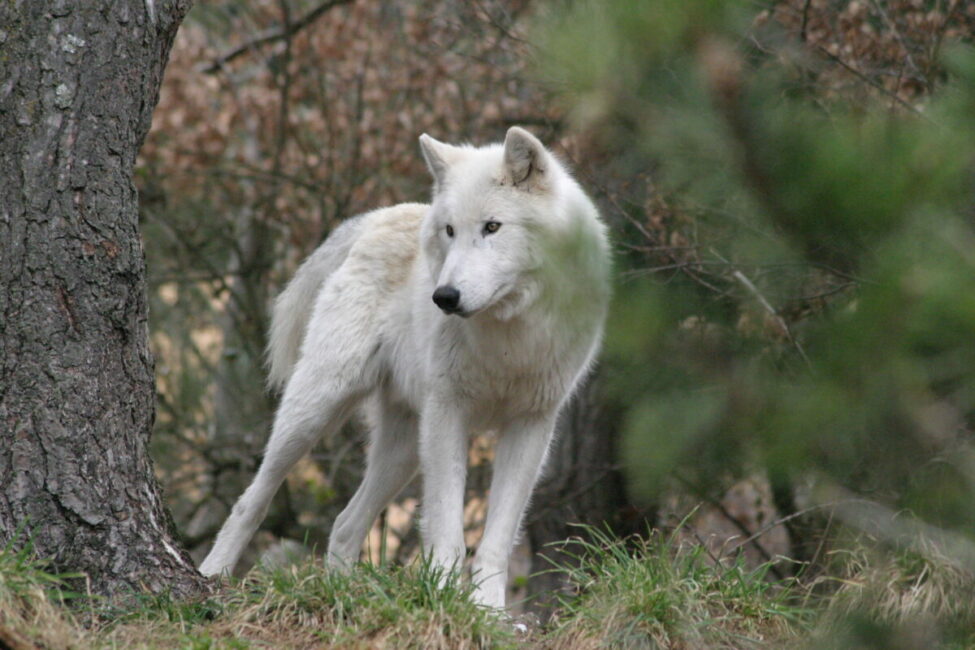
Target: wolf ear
[[439, 157], [524, 156]]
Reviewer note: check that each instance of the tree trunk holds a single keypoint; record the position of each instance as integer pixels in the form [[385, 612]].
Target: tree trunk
[[78, 83], [582, 484]]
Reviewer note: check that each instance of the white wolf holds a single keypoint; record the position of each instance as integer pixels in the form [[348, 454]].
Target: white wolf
[[516, 261]]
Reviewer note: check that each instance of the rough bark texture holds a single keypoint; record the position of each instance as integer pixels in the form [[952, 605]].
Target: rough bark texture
[[78, 82]]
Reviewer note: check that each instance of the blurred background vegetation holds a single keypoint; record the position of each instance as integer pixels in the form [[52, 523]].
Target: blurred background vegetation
[[790, 363]]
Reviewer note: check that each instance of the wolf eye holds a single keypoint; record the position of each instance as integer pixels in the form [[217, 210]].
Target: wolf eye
[[450, 230], [491, 227]]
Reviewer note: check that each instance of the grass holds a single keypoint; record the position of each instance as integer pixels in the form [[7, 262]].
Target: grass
[[635, 593], [308, 606], [34, 604], [303, 606], [909, 598], [655, 592]]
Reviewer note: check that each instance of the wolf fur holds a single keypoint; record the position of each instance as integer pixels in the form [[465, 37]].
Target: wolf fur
[[480, 312]]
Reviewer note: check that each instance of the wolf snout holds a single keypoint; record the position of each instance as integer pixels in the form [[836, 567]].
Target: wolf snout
[[447, 298]]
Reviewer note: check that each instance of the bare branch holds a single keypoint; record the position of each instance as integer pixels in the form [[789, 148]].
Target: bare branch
[[783, 520], [900, 39], [871, 82], [737, 523], [805, 21], [271, 35], [767, 306]]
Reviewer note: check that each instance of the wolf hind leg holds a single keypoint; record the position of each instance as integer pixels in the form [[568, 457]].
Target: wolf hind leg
[[315, 404], [391, 463]]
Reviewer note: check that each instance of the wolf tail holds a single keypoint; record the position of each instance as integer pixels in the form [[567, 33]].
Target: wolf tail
[[293, 307]]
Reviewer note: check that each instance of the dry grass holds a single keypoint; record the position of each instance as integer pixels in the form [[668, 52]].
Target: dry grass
[[661, 593], [916, 597], [33, 608]]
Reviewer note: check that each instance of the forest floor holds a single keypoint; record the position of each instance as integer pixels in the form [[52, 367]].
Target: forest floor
[[657, 592]]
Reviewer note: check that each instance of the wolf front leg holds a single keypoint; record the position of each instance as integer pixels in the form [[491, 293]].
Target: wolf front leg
[[443, 463], [518, 461], [313, 405]]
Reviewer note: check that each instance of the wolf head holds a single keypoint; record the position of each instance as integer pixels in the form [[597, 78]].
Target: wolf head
[[494, 209]]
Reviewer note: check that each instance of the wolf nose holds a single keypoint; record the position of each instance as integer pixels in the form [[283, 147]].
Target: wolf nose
[[447, 298]]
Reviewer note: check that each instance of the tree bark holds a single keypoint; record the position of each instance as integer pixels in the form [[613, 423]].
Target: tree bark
[[78, 83], [581, 486]]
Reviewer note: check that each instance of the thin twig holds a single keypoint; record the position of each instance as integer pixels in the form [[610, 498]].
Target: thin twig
[[271, 35], [870, 81], [707, 549], [782, 520], [805, 20], [822, 540], [900, 38], [503, 30], [763, 301], [571, 496], [716, 503], [822, 294], [934, 55], [738, 275], [751, 540], [901, 529]]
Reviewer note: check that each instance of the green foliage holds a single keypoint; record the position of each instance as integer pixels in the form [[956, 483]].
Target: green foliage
[[874, 380], [819, 323]]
